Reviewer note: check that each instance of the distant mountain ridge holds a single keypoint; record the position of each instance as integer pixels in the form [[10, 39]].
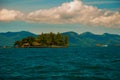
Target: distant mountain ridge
[[86, 39], [9, 38]]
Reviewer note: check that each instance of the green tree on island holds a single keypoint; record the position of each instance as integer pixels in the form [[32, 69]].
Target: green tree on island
[[43, 40]]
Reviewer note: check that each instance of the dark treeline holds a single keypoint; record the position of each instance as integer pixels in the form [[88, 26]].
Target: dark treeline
[[43, 40]]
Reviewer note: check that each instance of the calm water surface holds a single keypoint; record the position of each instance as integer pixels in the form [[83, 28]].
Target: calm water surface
[[73, 63]]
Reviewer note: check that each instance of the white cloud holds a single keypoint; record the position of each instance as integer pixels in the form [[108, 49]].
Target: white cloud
[[61, 14], [8, 15], [70, 12], [76, 12]]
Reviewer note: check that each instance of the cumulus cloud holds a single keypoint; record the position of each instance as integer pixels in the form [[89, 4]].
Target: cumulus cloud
[[76, 12], [8, 15], [71, 13]]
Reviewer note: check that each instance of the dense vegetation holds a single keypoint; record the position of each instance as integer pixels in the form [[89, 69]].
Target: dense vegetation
[[86, 39], [43, 40]]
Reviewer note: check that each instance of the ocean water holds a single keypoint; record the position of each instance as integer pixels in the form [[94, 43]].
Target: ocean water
[[73, 63]]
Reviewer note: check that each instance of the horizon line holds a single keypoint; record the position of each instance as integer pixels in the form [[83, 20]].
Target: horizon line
[[60, 32]]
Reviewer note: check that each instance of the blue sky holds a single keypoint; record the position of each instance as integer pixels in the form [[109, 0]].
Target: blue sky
[[29, 6]]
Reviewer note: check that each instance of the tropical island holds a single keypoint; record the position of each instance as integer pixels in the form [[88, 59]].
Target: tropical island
[[51, 40]]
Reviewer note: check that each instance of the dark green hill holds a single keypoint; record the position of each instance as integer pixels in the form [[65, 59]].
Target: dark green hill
[[9, 38], [89, 39]]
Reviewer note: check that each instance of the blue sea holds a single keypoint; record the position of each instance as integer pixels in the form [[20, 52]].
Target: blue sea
[[72, 63]]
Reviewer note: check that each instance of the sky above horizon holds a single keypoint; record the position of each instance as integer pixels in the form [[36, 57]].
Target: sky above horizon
[[96, 16]]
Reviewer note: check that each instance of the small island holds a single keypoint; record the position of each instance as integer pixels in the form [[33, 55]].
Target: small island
[[43, 40]]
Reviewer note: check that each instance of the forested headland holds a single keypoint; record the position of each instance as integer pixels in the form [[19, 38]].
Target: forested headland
[[43, 40]]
